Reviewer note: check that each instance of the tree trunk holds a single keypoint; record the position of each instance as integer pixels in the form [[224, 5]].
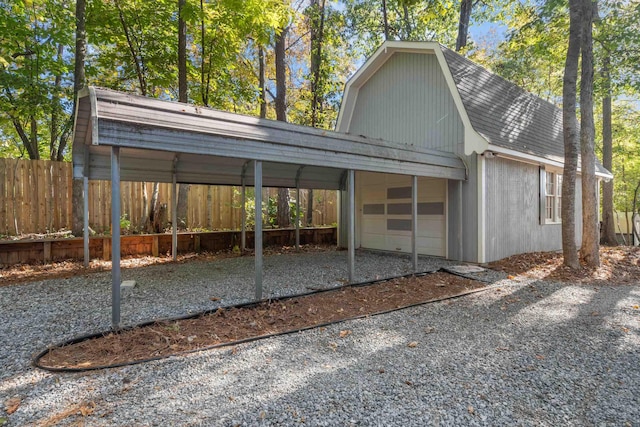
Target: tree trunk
[[204, 84], [316, 32], [634, 210], [77, 212], [182, 210], [145, 208], [407, 22], [261, 85], [385, 20], [77, 195], [284, 219], [590, 250], [570, 131], [55, 112], [154, 210], [608, 223], [463, 24], [281, 76], [182, 53], [310, 208], [284, 210]]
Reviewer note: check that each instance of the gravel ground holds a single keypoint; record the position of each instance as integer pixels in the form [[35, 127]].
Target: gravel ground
[[521, 353]]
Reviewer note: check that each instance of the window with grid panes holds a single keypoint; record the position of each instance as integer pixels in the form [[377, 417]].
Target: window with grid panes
[[553, 197]]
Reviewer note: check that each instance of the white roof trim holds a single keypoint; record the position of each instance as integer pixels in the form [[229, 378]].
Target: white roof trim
[[556, 162], [474, 142]]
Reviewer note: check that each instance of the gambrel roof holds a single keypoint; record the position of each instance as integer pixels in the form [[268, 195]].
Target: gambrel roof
[[498, 115]]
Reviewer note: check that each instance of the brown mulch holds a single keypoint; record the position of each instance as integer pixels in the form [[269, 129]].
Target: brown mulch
[[228, 325], [618, 265], [23, 273]]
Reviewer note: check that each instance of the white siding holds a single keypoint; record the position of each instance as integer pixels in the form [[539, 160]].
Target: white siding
[[407, 100]]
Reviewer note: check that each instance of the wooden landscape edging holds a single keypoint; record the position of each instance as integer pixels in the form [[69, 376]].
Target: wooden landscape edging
[[50, 250]]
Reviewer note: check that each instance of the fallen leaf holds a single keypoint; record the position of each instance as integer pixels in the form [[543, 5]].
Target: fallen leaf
[[87, 409], [345, 333], [471, 410], [510, 277], [12, 405], [539, 357], [412, 344], [214, 299], [636, 307]]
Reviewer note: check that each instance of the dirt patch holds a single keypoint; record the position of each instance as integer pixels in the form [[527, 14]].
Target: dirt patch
[[228, 325], [619, 265]]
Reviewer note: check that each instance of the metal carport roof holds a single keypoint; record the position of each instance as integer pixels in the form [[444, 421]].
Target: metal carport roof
[[119, 136]]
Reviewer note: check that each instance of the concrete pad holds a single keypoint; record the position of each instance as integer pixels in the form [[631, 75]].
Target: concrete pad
[[464, 269], [128, 284]]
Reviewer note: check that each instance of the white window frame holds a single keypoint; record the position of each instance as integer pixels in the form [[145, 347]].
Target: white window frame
[[550, 196]]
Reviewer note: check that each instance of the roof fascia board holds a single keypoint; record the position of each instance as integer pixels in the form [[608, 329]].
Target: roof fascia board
[[536, 160], [164, 139], [473, 141]]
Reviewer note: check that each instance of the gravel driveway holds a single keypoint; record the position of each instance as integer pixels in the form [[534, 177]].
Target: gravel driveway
[[521, 353]]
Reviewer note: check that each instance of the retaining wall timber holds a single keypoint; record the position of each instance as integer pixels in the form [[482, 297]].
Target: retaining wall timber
[[50, 250]]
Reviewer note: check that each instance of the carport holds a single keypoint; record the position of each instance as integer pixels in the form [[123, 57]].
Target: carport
[[119, 136]]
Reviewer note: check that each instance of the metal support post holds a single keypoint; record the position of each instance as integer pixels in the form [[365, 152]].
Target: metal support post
[[174, 217], [298, 207], [460, 224], [115, 238], [243, 226], [297, 217], [352, 226], [258, 227], [414, 222]]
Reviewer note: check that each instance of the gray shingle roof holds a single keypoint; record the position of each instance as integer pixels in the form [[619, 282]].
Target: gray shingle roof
[[505, 114]]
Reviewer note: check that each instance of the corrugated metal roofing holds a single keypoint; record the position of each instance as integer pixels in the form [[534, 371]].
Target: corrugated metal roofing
[[208, 146]]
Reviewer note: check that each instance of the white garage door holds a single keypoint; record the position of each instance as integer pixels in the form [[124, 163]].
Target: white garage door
[[384, 208]]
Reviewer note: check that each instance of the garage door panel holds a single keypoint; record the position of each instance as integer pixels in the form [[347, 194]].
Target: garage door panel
[[388, 227]]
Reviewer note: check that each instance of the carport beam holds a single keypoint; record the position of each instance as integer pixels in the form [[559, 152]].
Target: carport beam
[[115, 237], [414, 222], [258, 227], [352, 226]]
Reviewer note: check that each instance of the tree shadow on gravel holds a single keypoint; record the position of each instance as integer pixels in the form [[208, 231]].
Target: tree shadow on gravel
[[546, 358]]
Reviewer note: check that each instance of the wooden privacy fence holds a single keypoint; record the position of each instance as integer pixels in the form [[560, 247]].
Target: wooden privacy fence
[[36, 197]]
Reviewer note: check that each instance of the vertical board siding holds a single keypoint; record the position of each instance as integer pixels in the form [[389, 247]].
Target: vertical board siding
[[469, 214], [513, 211], [36, 197], [408, 101]]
